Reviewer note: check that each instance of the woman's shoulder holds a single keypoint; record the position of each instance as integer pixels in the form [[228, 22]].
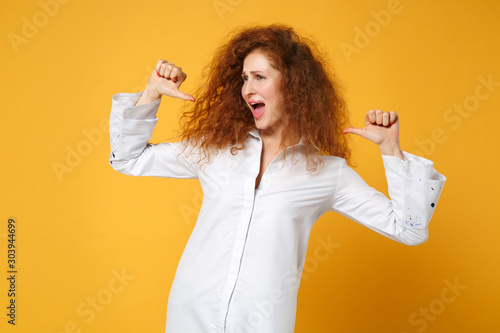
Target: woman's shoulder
[[325, 164], [331, 161]]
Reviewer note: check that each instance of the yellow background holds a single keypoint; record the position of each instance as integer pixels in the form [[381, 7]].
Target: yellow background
[[80, 226]]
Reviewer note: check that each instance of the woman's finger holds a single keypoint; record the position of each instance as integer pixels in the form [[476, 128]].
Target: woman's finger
[[393, 117], [165, 70], [168, 71], [174, 74], [159, 63], [370, 116], [379, 119], [386, 119], [177, 75]]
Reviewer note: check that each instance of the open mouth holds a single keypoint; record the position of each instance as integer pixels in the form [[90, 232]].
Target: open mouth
[[258, 109], [256, 105]]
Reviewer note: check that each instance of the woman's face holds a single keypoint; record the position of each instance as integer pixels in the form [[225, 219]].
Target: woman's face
[[261, 91]]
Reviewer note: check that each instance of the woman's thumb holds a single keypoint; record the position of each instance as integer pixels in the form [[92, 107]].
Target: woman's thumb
[[352, 130], [184, 96], [188, 97]]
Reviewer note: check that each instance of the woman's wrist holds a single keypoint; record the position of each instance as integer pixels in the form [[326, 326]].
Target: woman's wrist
[[392, 149], [148, 97]]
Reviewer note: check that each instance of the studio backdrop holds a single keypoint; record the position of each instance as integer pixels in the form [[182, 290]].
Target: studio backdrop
[[84, 248]]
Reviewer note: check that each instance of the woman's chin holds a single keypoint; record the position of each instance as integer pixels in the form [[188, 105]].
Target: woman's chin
[[266, 129], [261, 125]]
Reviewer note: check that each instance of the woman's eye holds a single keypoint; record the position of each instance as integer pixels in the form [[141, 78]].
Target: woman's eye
[[260, 77], [244, 78]]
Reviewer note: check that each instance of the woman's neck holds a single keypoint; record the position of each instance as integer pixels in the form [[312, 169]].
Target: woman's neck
[[272, 140]]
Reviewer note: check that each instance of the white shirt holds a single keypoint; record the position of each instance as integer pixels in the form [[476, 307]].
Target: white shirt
[[241, 268]]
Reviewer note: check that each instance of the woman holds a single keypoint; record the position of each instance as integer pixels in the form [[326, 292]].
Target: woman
[[264, 137]]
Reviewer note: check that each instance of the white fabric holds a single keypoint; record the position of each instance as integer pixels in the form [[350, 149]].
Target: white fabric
[[241, 268]]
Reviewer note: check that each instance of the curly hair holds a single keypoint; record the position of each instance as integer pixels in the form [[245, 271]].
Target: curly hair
[[314, 109]]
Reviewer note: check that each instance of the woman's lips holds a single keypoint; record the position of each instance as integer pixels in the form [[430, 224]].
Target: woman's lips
[[258, 111]]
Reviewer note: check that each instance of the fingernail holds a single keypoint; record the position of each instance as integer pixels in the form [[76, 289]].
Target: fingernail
[[157, 73]]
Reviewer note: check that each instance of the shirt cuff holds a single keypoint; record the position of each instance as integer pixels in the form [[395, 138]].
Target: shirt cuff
[[416, 166], [124, 105]]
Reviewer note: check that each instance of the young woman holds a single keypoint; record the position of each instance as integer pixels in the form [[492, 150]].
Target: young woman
[[265, 139]]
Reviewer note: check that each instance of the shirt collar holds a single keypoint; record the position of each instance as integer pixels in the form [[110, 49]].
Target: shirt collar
[[255, 133]]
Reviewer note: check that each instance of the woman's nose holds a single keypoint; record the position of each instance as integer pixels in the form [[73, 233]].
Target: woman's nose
[[247, 89]]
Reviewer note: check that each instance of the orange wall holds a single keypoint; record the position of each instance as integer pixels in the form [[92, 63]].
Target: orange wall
[[84, 231]]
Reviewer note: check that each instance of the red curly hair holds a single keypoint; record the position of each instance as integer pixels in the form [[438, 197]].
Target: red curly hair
[[314, 108]]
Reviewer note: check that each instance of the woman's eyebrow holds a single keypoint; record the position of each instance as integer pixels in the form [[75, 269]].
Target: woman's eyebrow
[[251, 72]]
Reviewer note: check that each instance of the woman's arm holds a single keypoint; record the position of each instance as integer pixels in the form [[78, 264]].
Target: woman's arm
[[414, 189], [132, 121], [414, 186]]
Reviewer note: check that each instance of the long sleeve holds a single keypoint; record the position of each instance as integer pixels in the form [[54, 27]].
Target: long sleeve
[[130, 129], [414, 188]]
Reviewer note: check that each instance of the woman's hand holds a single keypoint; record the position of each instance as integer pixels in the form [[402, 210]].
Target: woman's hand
[[166, 80], [381, 128]]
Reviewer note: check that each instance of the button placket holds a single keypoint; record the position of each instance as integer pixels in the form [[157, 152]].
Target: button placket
[[243, 226], [271, 171]]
